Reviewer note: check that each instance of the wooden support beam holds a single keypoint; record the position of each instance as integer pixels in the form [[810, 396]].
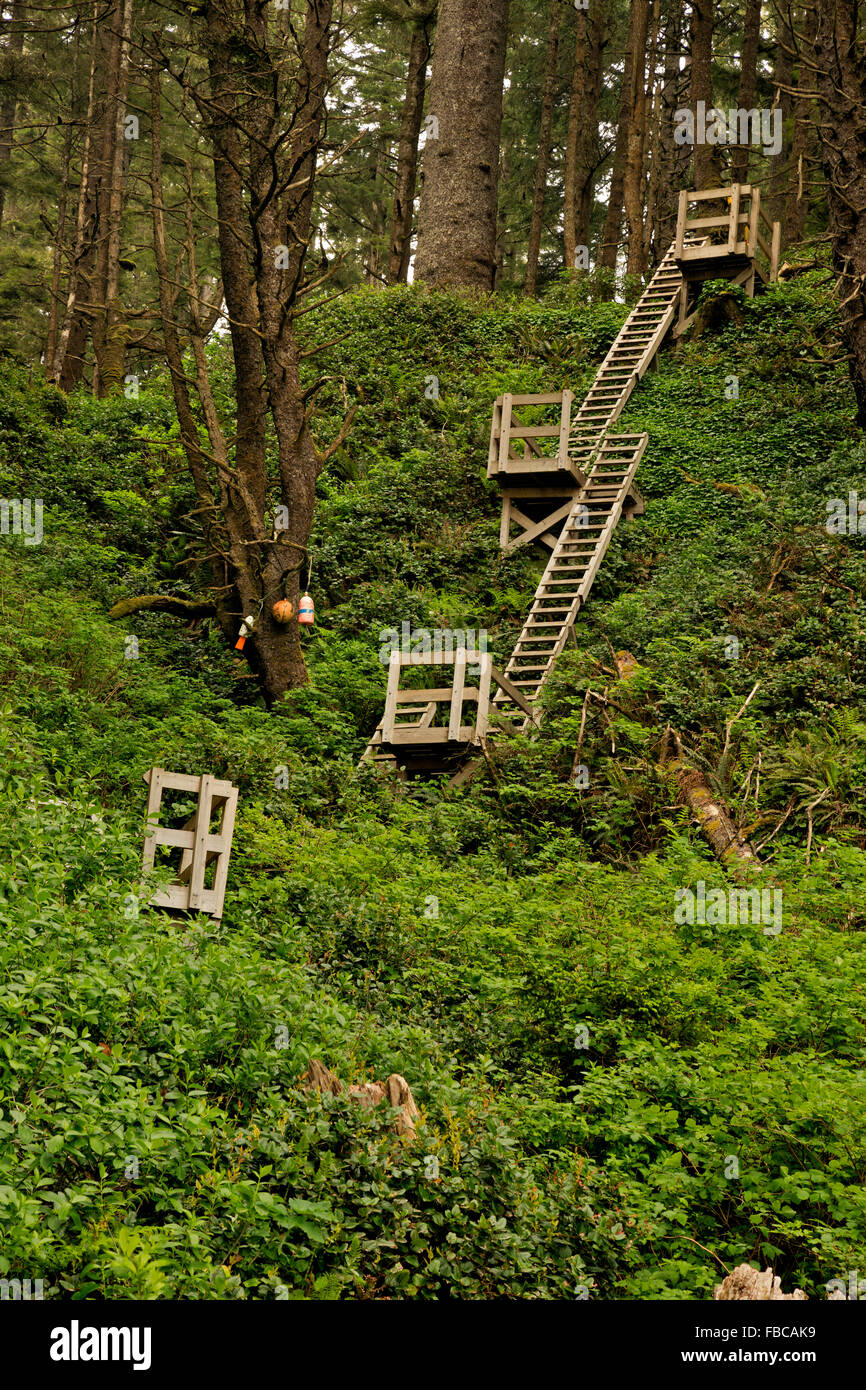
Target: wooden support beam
[[564, 428], [681, 224], [505, 523], [536, 530], [753, 240], [505, 432], [482, 718], [735, 217], [512, 692], [456, 717], [776, 250], [391, 697]]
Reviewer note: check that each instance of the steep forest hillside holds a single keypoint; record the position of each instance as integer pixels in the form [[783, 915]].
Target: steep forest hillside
[[614, 1102], [432, 685]]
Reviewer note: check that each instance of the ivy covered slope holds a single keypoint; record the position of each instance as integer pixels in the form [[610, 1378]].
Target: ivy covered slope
[[612, 1102]]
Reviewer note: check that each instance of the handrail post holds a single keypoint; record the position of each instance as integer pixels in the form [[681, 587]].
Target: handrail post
[[564, 428], [681, 222], [776, 248], [756, 222], [734, 225]]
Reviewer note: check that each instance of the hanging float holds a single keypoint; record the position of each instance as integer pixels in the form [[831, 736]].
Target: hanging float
[[306, 611], [283, 610]]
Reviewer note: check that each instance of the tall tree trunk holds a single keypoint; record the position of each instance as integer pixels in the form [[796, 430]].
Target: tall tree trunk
[[613, 221], [635, 166], [838, 54], [235, 254], [14, 44], [589, 155], [91, 226], [312, 93], [400, 246], [577, 116], [797, 201], [375, 273], [653, 254], [109, 326], [68, 349], [457, 221], [783, 77], [707, 160], [748, 83], [62, 206], [545, 125], [260, 308], [673, 159]]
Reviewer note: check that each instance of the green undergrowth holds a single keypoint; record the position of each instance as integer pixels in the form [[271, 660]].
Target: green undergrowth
[[614, 1102]]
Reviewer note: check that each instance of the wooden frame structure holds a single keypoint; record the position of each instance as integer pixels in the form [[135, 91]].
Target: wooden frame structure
[[422, 729], [507, 427], [200, 845], [544, 483], [740, 244]]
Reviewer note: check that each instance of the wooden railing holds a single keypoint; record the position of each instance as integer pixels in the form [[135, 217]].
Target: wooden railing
[[436, 714], [508, 429], [742, 230]]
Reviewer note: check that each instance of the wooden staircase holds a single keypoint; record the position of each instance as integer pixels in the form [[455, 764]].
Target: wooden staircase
[[603, 465], [572, 568], [631, 355]]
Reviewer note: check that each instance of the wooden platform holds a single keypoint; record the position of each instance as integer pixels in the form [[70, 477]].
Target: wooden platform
[[737, 242], [431, 728]]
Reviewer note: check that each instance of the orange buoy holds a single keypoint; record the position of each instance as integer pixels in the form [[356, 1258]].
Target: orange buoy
[[283, 610], [306, 611], [246, 628]]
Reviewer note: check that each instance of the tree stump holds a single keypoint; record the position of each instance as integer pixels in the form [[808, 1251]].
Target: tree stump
[[395, 1090], [747, 1283]]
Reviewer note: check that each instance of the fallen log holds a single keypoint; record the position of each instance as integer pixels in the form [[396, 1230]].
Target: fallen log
[[725, 840], [729, 846], [163, 603]]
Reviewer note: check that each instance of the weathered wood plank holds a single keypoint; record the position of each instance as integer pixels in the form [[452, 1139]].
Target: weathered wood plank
[[456, 716], [394, 665]]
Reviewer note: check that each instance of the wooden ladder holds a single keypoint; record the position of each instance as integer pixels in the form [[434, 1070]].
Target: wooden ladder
[[630, 356], [571, 569]]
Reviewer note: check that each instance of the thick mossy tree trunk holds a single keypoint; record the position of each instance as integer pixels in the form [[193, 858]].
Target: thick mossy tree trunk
[[672, 164], [613, 221], [707, 162], [635, 149], [748, 83], [457, 220], [258, 89]]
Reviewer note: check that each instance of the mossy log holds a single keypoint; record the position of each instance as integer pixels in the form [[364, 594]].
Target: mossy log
[[726, 842], [163, 603], [713, 820]]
